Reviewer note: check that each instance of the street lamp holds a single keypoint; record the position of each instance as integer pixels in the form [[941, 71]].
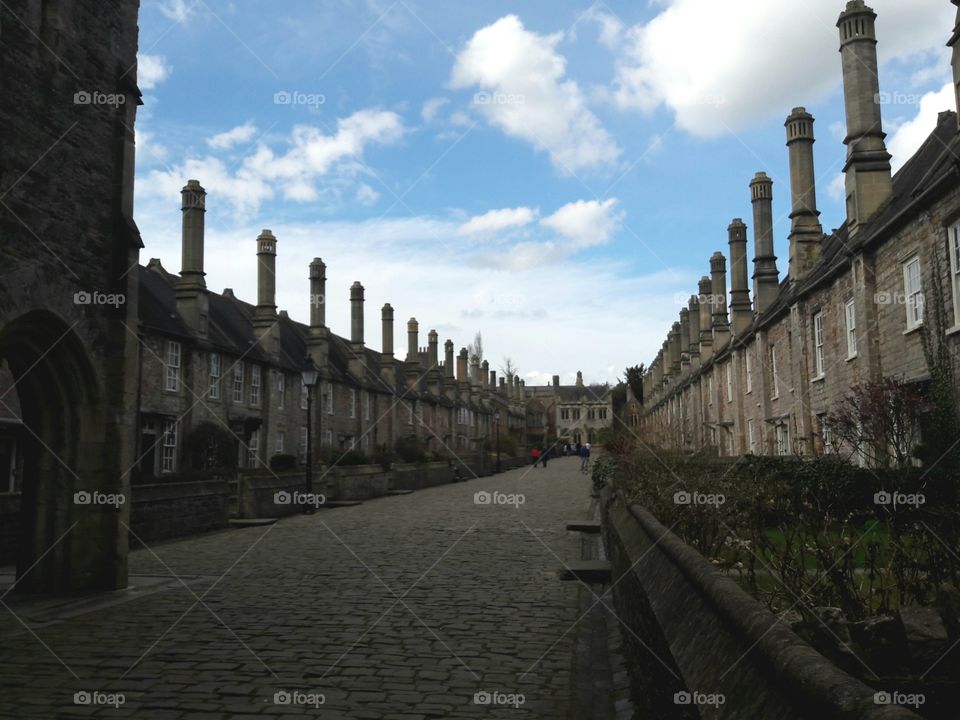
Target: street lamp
[[309, 374], [496, 419]]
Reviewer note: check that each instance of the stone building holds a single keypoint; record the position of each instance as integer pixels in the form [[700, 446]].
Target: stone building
[[232, 370], [756, 370], [567, 413]]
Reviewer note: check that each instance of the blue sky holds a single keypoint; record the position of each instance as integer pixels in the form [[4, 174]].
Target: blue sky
[[552, 174]]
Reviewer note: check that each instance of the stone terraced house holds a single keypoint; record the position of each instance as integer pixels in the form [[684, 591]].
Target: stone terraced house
[[568, 413], [762, 377]]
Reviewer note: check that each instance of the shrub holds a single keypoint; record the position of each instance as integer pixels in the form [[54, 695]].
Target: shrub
[[281, 462], [410, 449], [210, 447]]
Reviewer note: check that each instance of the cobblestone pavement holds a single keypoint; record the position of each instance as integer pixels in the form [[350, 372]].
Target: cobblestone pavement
[[403, 607]]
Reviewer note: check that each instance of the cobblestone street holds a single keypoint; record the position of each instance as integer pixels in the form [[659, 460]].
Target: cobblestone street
[[402, 607]]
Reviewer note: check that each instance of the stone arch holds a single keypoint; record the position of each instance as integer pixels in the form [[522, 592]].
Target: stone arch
[[63, 544]]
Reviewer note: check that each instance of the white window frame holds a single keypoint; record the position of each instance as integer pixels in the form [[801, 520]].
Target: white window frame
[[826, 437], [773, 373], [168, 452], [281, 389], [710, 390], [353, 403], [214, 376], [954, 249], [366, 405], [253, 449], [730, 381], [818, 346], [255, 377], [752, 436], [329, 398], [913, 293], [238, 382], [783, 440], [331, 438], [850, 310], [278, 444], [172, 365], [748, 362], [409, 413]]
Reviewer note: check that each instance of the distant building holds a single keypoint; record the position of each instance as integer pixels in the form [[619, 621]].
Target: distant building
[[568, 413]]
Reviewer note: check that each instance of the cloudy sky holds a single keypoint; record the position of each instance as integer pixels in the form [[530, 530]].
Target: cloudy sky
[[554, 174]]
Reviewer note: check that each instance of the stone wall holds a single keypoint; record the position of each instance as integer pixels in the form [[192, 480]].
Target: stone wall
[[690, 629], [168, 510], [9, 527]]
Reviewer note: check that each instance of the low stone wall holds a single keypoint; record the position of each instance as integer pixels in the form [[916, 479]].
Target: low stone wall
[[9, 527], [358, 482], [268, 495], [169, 510], [693, 630], [416, 476]]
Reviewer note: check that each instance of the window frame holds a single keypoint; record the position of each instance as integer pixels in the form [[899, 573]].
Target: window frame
[[238, 382], [850, 312], [168, 448], [774, 374], [281, 390], [953, 248], [913, 297], [256, 376], [174, 356], [818, 345], [748, 367], [214, 373], [729, 372]]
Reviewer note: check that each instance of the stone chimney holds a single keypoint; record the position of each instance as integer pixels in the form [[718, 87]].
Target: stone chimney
[[265, 316], [493, 380], [433, 345], [448, 359], [485, 375], [954, 44], [556, 378], [579, 379], [192, 302], [868, 177], [462, 361], [387, 362], [706, 320], [806, 232], [665, 359], [766, 277], [683, 340], [357, 360], [523, 391], [318, 299], [693, 338], [721, 324], [413, 353], [740, 308], [503, 386], [475, 371]]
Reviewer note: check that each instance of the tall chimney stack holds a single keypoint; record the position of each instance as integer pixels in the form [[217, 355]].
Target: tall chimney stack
[[485, 375], [192, 301], [448, 358], [806, 232], [433, 344], [740, 307], [318, 299], [357, 360], [579, 379], [684, 345], [693, 337], [868, 177], [954, 44], [387, 361], [706, 320], [721, 324], [475, 370], [556, 381], [462, 360], [265, 315], [766, 277], [673, 344], [413, 352]]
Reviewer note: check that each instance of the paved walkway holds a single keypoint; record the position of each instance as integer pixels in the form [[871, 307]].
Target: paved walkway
[[403, 607]]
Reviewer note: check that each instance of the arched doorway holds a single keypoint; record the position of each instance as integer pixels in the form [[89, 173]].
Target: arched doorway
[[67, 540]]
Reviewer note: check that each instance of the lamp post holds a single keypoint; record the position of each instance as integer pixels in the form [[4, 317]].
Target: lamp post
[[309, 373], [496, 419]]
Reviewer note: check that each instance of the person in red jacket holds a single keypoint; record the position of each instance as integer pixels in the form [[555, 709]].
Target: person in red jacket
[[535, 455]]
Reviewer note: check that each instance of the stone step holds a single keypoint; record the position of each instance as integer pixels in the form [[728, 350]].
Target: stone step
[[399, 492], [341, 503], [251, 522], [584, 526], [588, 571]]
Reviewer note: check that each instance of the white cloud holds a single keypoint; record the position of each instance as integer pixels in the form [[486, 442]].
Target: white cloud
[[151, 71], [586, 223], [431, 107], [237, 136], [311, 154], [526, 94], [496, 220], [177, 10], [837, 189], [366, 195], [721, 67], [911, 134], [611, 28]]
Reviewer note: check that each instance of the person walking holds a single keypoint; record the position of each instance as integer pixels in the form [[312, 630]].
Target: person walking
[[535, 454], [544, 456], [584, 458]]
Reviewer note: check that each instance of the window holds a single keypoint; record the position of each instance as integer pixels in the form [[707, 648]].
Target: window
[[603, 413], [366, 406], [331, 438], [238, 382], [749, 368], [255, 385], [710, 390], [783, 440], [329, 398], [818, 343], [281, 389], [913, 293], [954, 242], [730, 381], [576, 414], [304, 393], [168, 455], [253, 449], [826, 435], [173, 366], [281, 436], [303, 443], [752, 436], [409, 413], [591, 414], [353, 403], [565, 413], [773, 372], [851, 313], [214, 391]]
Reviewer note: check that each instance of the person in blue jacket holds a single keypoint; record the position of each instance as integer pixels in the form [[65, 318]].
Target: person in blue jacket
[[584, 458]]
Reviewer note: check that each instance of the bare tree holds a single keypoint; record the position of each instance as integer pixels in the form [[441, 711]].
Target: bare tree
[[508, 369], [476, 347]]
